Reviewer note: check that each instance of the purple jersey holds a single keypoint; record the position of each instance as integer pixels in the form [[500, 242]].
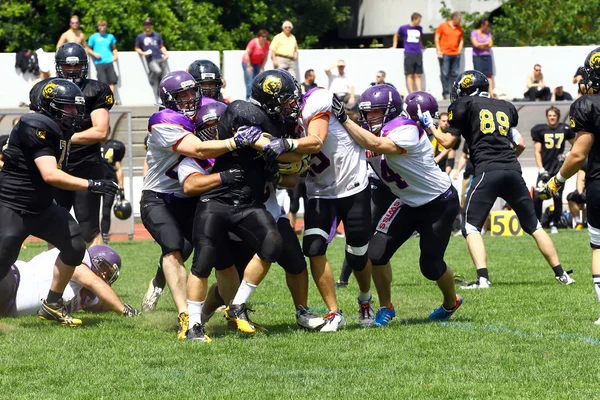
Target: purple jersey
[[411, 36]]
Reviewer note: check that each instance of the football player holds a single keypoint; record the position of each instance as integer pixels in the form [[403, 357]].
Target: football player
[[584, 122], [402, 156], [208, 76], [549, 146], [34, 156], [113, 152], [167, 213], [337, 188], [89, 288], [85, 158], [487, 124]]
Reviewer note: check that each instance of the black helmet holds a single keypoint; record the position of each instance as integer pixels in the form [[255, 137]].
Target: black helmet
[[469, 83], [208, 75], [71, 54], [56, 95], [278, 93], [122, 209], [591, 72]]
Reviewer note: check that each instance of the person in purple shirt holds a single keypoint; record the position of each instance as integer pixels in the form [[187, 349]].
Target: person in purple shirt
[[413, 53], [482, 42]]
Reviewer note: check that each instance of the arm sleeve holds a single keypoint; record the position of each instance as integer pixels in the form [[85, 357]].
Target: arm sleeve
[[405, 136], [103, 99], [579, 120], [191, 166]]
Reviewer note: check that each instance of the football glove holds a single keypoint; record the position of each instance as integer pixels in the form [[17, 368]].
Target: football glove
[[550, 189], [102, 186], [279, 146], [338, 110], [544, 175], [121, 193], [424, 117], [129, 311], [295, 167], [246, 135], [232, 177], [272, 169]]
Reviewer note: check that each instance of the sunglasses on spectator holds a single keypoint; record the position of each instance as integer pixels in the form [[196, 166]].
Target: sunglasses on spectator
[[74, 22], [537, 69], [287, 27]]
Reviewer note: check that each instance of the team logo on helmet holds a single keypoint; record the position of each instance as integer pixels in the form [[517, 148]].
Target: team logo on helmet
[[595, 60], [187, 84], [572, 121], [272, 84], [49, 90], [467, 81]]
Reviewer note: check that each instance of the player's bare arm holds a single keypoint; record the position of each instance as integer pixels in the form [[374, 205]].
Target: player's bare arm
[[369, 141], [579, 152], [99, 130], [198, 183], [109, 301]]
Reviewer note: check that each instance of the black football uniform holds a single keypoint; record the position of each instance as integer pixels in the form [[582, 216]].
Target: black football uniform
[[113, 152], [585, 116], [85, 161], [552, 141], [238, 210], [485, 124], [26, 205]]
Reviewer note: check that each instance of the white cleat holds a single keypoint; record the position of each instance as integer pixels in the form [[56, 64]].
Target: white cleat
[[565, 279], [333, 321], [480, 283], [151, 297], [366, 315], [308, 320], [597, 322]]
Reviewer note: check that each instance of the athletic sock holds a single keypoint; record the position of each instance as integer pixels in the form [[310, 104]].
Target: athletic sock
[[195, 310], [362, 296], [483, 273], [244, 292], [53, 297], [558, 270], [205, 317], [159, 279], [596, 279]]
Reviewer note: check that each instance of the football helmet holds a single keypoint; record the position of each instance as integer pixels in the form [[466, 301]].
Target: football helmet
[[208, 118], [469, 83], [591, 70], [63, 101], [71, 62], [379, 97], [106, 263], [278, 94], [122, 209], [208, 76], [180, 92], [423, 99]]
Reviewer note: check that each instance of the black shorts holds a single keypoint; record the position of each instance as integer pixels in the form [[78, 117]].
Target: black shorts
[[297, 193], [486, 188], [577, 197], [8, 292], [214, 221], [484, 65], [85, 204], [169, 219], [413, 63], [592, 205], [106, 73], [381, 199]]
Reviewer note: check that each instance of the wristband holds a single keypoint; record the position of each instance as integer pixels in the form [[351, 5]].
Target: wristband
[[230, 143], [560, 178], [541, 170], [293, 144]]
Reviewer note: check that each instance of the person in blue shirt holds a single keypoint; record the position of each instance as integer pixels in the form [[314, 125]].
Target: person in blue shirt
[[104, 52], [150, 44]]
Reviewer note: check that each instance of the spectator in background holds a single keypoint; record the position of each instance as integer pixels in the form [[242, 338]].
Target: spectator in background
[[536, 86], [309, 81], [449, 43], [73, 34], [560, 94], [340, 85], [150, 44], [380, 79], [255, 58], [103, 48], [482, 42], [577, 78], [413, 51], [284, 49]]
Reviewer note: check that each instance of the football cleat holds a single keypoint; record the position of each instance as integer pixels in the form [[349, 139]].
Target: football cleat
[[365, 313], [597, 322], [441, 314], [307, 319], [333, 321], [341, 285], [480, 283], [579, 227], [183, 321], [553, 230], [238, 313], [57, 312], [151, 297], [384, 316], [197, 333], [565, 279]]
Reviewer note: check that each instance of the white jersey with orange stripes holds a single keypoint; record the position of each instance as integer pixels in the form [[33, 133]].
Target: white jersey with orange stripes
[[35, 279], [340, 169]]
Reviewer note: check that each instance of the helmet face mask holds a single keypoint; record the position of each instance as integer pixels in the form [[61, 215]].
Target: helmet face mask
[[208, 76], [379, 105], [180, 92], [71, 62]]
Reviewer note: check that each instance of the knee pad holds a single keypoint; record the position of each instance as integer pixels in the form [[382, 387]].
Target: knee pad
[[75, 254], [205, 259], [378, 253], [294, 265], [594, 237], [314, 245], [432, 268], [357, 256], [271, 247]]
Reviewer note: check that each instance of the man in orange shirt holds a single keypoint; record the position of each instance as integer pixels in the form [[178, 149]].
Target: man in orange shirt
[[449, 44]]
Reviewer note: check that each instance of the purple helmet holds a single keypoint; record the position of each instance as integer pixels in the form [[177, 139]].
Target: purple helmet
[[207, 118], [106, 263], [423, 99], [379, 97], [173, 85]]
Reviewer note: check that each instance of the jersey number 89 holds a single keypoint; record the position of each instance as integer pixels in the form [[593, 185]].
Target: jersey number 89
[[487, 124]]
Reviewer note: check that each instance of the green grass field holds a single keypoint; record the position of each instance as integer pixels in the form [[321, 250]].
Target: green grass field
[[528, 338]]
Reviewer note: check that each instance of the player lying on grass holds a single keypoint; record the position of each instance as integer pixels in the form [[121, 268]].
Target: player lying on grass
[[21, 291]]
